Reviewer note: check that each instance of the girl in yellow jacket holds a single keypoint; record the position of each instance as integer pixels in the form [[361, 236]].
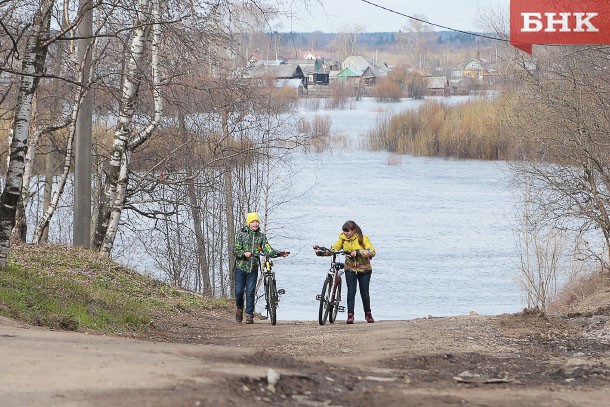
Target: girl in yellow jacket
[[357, 267]]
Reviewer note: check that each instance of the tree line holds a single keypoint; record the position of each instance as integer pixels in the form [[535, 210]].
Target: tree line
[[181, 146]]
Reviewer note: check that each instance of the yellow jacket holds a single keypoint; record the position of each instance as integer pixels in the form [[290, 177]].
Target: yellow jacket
[[359, 264]]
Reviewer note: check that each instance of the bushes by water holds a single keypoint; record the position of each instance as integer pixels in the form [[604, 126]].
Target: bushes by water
[[475, 129]]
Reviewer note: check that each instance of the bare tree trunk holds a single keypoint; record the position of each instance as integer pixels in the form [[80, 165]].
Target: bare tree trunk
[[117, 173], [19, 232], [97, 192], [229, 204], [33, 63], [203, 265], [202, 260], [49, 172], [221, 271], [20, 229], [50, 165], [46, 218]]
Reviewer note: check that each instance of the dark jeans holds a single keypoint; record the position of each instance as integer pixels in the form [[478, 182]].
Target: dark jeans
[[245, 282], [362, 280]]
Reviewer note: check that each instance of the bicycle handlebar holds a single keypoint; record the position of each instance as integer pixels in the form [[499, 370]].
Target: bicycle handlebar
[[279, 254], [322, 249]]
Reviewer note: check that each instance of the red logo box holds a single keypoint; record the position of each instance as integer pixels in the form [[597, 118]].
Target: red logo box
[[559, 22]]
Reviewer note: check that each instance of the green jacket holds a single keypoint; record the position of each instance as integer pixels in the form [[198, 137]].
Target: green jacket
[[248, 240]]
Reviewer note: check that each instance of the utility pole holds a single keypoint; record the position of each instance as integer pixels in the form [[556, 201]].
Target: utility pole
[[82, 169]]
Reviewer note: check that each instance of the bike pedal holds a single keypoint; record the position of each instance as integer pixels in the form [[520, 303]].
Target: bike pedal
[[341, 308], [281, 291]]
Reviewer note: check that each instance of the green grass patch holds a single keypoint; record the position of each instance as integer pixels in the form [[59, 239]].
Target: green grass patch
[[75, 289]]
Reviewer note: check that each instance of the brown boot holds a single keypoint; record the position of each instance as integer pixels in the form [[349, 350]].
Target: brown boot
[[249, 319], [239, 314]]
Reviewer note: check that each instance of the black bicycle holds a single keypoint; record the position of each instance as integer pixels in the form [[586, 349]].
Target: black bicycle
[[330, 298], [272, 294]]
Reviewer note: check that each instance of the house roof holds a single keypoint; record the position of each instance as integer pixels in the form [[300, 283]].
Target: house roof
[[355, 62], [370, 72], [476, 64], [269, 62], [274, 71], [436, 82], [289, 83], [308, 68], [310, 55], [348, 73], [301, 61]]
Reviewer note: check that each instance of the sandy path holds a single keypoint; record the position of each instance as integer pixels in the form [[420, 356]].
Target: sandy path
[[389, 363]]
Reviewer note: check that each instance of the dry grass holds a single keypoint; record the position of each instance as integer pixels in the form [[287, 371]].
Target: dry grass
[[387, 90], [317, 133], [469, 130], [584, 295]]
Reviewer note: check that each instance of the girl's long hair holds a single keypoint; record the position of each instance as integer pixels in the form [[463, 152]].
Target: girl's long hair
[[351, 225]]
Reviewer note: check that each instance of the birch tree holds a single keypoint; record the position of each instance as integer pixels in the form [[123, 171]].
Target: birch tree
[[43, 224], [126, 137], [32, 66]]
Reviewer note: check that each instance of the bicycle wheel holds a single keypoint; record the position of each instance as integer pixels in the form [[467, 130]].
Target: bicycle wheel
[[272, 301], [335, 297], [323, 312]]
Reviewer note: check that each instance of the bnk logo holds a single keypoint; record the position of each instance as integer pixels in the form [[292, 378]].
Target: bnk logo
[[562, 22], [559, 22]]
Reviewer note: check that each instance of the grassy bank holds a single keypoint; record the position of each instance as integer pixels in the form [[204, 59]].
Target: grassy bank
[[76, 289], [476, 129]]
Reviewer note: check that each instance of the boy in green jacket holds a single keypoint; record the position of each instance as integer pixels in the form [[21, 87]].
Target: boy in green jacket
[[249, 243]]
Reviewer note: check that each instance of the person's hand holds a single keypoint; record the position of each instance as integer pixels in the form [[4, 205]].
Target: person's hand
[[316, 247], [285, 254], [247, 255], [353, 254]]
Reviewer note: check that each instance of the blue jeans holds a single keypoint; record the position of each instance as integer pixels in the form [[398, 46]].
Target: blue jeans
[[245, 282], [362, 280]]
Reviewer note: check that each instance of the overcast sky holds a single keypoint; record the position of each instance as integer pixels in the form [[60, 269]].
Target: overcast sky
[[341, 15]]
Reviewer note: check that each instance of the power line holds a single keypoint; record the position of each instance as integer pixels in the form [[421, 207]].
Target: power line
[[433, 24]]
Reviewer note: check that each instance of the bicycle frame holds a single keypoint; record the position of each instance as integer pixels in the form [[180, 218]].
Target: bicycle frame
[[330, 299], [271, 293], [335, 272]]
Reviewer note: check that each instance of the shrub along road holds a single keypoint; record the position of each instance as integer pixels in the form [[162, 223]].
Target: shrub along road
[[526, 359]]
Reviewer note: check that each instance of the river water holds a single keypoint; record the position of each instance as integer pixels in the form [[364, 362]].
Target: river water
[[442, 228]]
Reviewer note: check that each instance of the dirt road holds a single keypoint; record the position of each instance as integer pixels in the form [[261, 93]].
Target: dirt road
[[511, 360]]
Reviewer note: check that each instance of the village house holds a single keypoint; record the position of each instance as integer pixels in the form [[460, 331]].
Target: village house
[[437, 86], [316, 70], [276, 74], [310, 55], [355, 63], [477, 69], [356, 67]]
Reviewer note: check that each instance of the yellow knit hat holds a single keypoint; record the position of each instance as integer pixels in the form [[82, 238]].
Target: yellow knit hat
[[251, 217]]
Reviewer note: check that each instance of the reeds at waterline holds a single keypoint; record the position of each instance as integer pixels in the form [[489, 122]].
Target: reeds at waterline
[[475, 129]]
